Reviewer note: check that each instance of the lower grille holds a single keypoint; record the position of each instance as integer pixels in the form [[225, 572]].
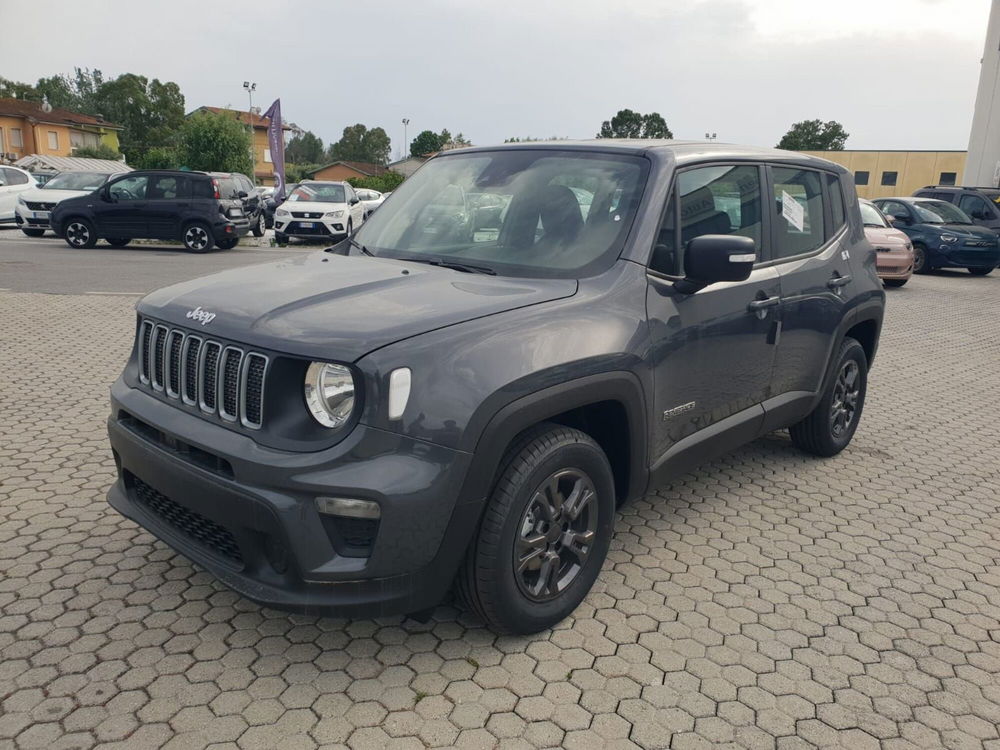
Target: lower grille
[[206, 532]]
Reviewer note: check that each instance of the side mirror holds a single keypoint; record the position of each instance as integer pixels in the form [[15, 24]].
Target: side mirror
[[712, 258], [106, 196], [354, 201], [3, 184], [242, 194], [899, 219]]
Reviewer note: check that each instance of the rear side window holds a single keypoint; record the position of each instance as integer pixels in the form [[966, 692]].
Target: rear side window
[[836, 203], [15, 177], [798, 201], [202, 188], [167, 188]]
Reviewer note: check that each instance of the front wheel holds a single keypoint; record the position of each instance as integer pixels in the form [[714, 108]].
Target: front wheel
[[80, 234], [985, 271], [258, 227], [544, 534], [118, 241], [33, 232], [831, 425], [198, 238], [920, 259]]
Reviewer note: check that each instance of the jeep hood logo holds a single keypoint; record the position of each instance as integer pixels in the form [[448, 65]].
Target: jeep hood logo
[[202, 316]]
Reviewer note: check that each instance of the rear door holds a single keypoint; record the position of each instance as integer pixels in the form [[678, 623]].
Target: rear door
[[812, 255], [169, 200], [124, 215], [713, 351]]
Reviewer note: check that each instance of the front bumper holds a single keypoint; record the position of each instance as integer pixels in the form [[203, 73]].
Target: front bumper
[[27, 219], [247, 513], [894, 264], [961, 256], [305, 228]]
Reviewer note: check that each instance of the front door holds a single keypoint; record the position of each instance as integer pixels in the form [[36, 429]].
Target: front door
[[121, 212], [713, 351]]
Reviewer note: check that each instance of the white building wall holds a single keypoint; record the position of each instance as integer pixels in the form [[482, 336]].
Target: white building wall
[[982, 169]]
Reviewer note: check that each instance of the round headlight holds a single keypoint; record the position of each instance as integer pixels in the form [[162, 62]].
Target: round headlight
[[329, 391]]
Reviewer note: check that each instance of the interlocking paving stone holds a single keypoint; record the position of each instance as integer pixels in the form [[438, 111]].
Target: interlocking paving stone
[[765, 600]]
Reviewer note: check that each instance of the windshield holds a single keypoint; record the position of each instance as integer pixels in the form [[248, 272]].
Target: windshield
[[526, 212], [871, 216], [89, 181], [319, 193], [939, 212]]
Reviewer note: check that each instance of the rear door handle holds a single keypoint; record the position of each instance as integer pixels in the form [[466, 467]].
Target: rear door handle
[[762, 304], [838, 281]]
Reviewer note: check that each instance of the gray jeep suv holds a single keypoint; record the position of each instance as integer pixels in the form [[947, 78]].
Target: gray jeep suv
[[521, 339]]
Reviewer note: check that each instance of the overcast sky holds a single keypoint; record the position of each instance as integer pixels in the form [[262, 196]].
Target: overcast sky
[[898, 74]]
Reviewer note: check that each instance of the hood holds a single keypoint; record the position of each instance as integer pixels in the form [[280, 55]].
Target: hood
[[341, 307], [886, 237], [966, 231], [38, 195]]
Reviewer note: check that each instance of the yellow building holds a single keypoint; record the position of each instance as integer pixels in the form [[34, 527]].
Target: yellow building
[[263, 166], [883, 174], [34, 128]]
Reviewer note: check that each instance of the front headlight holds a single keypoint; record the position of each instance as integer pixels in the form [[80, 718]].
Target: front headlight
[[329, 391], [949, 238], [908, 245], [281, 212], [334, 214]]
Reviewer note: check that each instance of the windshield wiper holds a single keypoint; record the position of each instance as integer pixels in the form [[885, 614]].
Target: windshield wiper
[[463, 267], [354, 243]]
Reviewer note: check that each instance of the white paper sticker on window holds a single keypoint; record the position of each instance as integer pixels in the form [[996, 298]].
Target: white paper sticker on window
[[793, 211]]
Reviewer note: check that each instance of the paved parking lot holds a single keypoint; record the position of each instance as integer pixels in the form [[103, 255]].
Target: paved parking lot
[[765, 600]]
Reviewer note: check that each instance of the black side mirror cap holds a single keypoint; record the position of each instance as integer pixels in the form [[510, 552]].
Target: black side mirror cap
[[243, 194], [712, 258]]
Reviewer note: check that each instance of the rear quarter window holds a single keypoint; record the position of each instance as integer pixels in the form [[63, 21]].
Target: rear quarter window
[[202, 188]]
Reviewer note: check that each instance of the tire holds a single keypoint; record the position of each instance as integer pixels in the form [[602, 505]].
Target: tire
[[981, 271], [895, 282], [33, 232], [80, 234], [281, 239], [269, 222], [197, 238], [350, 227], [228, 244], [548, 461], [118, 241], [832, 424], [920, 259], [258, 227]]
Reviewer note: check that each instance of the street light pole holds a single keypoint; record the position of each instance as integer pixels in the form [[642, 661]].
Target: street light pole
[[251, 87], [402, 153]]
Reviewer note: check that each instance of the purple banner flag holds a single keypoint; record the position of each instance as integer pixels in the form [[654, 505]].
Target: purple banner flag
[[276, 143]]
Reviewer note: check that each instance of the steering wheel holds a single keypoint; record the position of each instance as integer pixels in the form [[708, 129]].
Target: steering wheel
[[120, 192]]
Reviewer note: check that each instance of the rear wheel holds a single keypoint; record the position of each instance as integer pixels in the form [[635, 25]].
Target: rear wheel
[[33, 232], [981, 271], [895, 282], [80, 234], [920, 259], [544, 534], [198, 238], [831, 425], [258, 227], [118, 241]]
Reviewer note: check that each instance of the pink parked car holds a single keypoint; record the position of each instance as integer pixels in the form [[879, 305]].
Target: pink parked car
[[893, 249]]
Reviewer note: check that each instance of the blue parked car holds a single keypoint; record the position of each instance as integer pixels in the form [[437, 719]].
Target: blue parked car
[[943, 235]]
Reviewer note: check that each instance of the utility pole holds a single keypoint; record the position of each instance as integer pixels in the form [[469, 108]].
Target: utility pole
[[251, 86], [406, 121]]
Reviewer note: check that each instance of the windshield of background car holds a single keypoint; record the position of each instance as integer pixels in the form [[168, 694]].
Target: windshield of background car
[[525, 212], [871, 216], [319, 194], [939, 212], [89, 181]]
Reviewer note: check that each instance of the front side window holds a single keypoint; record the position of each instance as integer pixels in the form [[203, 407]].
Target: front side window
[[973, 204], [871, 216], [895, 209], [88, 181], [129, 188], [798, 198], [712, 200], [515, 212], [318, 193]]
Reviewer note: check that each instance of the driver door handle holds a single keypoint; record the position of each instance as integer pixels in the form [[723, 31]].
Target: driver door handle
[[762, 304], [838, 281]]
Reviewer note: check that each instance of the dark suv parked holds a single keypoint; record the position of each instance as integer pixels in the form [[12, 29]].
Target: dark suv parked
[[981, 204], [466, 401], [201, 209]]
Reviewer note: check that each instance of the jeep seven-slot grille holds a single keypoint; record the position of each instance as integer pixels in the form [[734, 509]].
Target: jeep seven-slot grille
[[219, 379]]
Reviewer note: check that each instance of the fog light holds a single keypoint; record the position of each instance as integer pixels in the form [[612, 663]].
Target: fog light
[[348, 507]]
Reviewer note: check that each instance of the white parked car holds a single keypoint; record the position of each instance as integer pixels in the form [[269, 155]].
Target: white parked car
[[319, 210], [33, 206], [13, 182], [370, 199]]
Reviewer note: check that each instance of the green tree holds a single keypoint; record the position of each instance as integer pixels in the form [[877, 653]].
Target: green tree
[[159, 157], [384, 183], [426, 142], [214, 143], [629, 124], [100, 151], [814, 135], [16, 90], [151, 112], [305, 148], [358, 143]]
